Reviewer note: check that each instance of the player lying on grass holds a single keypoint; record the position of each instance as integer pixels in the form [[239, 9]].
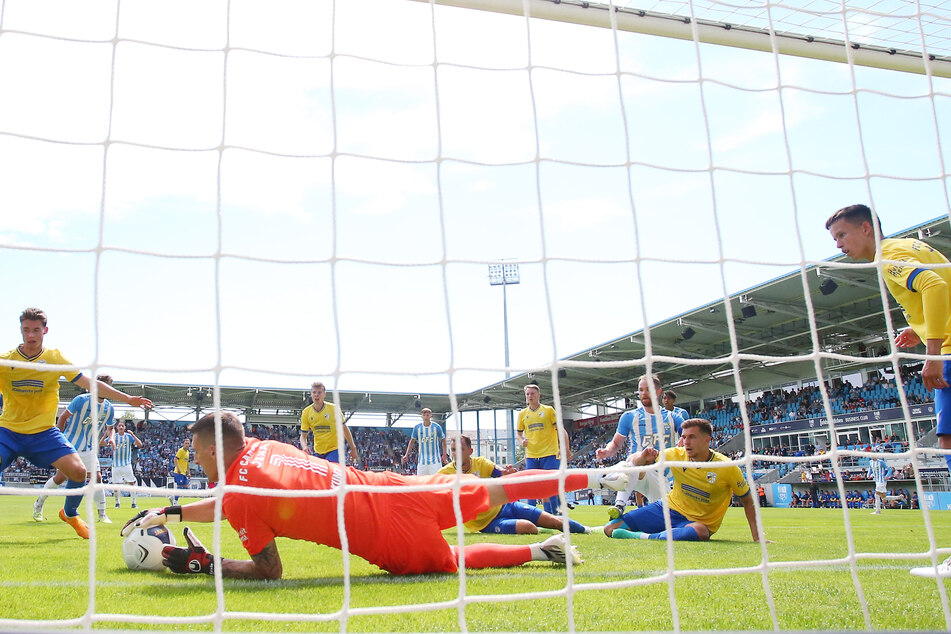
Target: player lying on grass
[[700, 497], [514, 518], [400, 532]]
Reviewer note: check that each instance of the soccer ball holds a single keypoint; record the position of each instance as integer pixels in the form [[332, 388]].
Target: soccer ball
[[142, 548]]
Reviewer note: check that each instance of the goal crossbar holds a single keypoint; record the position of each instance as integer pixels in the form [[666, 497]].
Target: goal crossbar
[[715, 32]]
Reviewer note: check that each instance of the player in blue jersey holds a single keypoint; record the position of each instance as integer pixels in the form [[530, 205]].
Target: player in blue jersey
[[76, 423], [650, 425], [31, 398], [431, 439], [122, 444], [879, 471], [670, 404]]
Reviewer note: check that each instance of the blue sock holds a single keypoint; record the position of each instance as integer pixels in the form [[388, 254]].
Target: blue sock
[[71, 504], [576, 527], [682, 534]]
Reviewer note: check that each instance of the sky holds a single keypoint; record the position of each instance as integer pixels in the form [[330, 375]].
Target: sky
[[293, 191]]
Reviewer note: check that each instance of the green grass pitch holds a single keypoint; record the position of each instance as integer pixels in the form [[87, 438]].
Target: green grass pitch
[[45, 572]]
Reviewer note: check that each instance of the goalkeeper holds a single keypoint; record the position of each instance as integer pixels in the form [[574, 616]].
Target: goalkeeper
[[701, 495], [400, 532]]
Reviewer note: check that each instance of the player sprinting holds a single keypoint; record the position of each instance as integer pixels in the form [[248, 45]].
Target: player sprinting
[[122, 445], [700, 497], [31, 398], [320, 418], [650, 425], [538, 433], [432, 445], [76, 423], [514, 518], [181, 473], [400, 532]]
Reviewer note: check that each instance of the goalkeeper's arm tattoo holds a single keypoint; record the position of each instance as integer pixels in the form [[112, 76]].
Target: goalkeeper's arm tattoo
[[264, 565]]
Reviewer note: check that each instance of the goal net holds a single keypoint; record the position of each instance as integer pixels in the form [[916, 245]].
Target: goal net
[[248, 193]]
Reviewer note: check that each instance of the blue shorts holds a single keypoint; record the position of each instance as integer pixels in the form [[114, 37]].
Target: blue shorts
[[549, 463], [942, 403], [504, 523], [330, 456], [42, 449], [181, 480], [650, 518]]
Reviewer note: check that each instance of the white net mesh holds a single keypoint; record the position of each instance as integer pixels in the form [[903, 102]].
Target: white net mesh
[[205, 173]]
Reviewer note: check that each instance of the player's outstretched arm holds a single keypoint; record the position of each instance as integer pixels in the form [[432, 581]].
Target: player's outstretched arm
[[750, 510], [610, 449], [107, 391], [265, 565], [200, 511]]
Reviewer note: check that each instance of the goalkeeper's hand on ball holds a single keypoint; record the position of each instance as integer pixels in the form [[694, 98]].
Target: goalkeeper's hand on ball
[[153, 517], [192, 560]]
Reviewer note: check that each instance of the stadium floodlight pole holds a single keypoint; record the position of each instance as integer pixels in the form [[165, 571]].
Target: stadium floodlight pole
[[505, 274]]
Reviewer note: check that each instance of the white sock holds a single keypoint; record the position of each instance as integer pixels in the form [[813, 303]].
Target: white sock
[[537, 554], [100, 498], [50, 484]]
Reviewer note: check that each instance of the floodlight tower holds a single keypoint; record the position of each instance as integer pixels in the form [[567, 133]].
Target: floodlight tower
[[505, 274]]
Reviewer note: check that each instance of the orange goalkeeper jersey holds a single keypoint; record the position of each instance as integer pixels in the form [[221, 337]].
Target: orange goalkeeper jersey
[[398, 531]]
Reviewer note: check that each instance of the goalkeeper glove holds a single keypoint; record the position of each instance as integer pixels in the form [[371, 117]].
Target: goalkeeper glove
[[194, 559], [153, 517]]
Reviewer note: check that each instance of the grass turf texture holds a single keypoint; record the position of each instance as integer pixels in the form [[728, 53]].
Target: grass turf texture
[[45, 573]]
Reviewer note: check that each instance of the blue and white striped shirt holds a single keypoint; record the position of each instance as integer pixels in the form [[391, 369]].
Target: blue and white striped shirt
[[122, 455], [429, 440], [645, 430], [79, 427], [878, 470]]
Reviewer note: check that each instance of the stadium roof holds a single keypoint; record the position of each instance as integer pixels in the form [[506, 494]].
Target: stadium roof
[[691, 352]]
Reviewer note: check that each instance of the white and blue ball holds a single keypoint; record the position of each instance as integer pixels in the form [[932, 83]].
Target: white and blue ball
[[142, 548]]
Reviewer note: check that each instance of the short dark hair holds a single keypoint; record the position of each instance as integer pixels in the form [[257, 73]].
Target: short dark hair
[[670, 394], [465, 440], [856, 214], [105, 378], [650, 377], [232, 431], [700, 423], [33, 314]]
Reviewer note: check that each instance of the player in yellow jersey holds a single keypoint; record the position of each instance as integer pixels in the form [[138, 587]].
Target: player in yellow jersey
[[30, 400], [538, 433], [700, 497], [180, 470], [923, 292], [513, 518], [320, 418]]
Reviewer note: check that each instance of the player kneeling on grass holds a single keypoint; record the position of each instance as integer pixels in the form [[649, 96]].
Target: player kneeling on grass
[[514, 518], [400, 531], [700, 497]]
